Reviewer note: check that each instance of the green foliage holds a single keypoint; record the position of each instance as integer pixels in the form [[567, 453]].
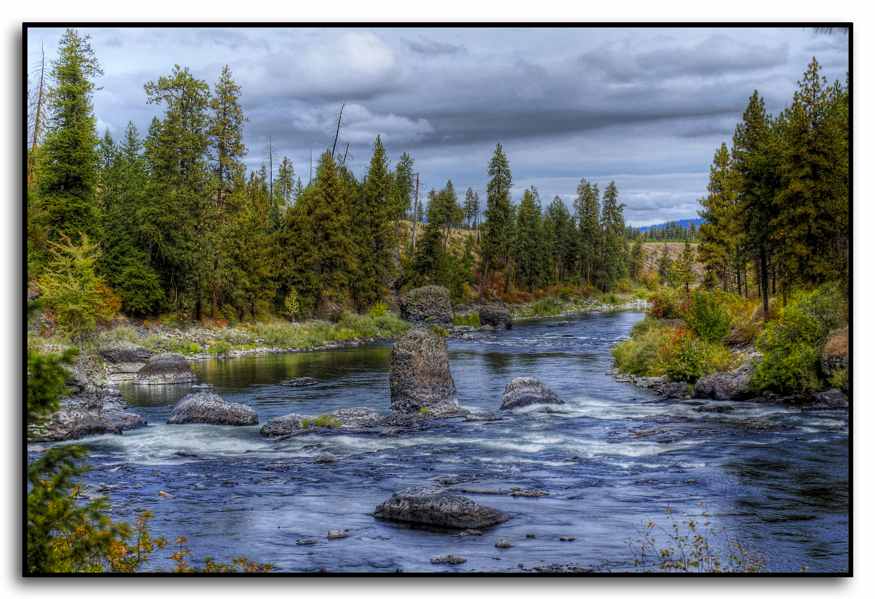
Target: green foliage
[[640, 354], [322, 421], [46, 383], [73, 291], [691, 545], [68, 159], [469, 319], [656, 349], [687, 358], [587, 210], [839, 379], [792, 341], [708, 316], [529, 250], [219, 348], [497, 230], [667, 303], [378, 310]]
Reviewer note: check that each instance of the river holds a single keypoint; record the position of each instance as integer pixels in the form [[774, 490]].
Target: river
[[771, 477]]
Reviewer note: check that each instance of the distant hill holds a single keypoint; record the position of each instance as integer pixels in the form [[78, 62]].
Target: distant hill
[[684, 222]]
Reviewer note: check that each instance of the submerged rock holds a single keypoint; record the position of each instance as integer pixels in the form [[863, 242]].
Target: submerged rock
[[301, 381], [662, 386], [427, 305], [830, 399], [336, 534], [166, 369], [208, 408], [450, 559], [282, 426], [503, 544], [726, 386], [325, 458], [495, 315], [98, 412], [344, 418], [526, 391], [419, 376], [430, 506]]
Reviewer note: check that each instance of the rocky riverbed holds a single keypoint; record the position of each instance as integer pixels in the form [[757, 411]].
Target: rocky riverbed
[[592, 468]]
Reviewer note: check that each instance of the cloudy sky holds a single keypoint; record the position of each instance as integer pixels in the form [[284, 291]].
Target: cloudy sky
[[645, 107]]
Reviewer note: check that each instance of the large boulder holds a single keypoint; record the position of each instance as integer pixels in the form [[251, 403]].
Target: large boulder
[[124, 352], [419, 375], [726, 386], [526, 391], [166, 369], [90, 413], [208, 408], [495, 315], [282, 426], [429, 506], [124, 360], [427, 305]]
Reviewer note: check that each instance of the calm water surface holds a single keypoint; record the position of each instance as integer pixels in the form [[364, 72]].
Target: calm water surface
[[772, 477]]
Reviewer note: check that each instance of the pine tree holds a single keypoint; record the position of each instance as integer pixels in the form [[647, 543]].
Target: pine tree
[[587, 212], [497, 233], [180, 211], [721, 233], [683, 268], [664, 266], [560, 238], [471, 208], [376, 214], [327, 264], [226, 134], [613, 254], [529, 251], [808, 221], [69, 157], [284, 186], [127, 261], [753, 155], [636, 259]]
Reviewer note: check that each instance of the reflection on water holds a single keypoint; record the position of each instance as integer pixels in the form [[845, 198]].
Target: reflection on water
[[615, 456]]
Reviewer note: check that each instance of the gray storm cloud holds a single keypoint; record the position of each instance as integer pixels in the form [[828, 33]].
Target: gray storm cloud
[[643, 106]]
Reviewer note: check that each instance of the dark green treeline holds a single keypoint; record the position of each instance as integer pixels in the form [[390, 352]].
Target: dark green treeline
[[182, 227]]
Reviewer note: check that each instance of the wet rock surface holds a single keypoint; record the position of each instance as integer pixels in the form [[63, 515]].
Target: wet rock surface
[[495, 315], [726, 386], [526, 391], [166, 369], [419, 375], [429, 506], [209, 408], [427, 305], [95, 412]]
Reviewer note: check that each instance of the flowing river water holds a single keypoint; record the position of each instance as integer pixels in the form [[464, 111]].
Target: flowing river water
[[771, 477]]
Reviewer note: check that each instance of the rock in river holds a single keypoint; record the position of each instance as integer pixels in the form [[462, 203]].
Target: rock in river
[[90, 413], [430, 506], [525, 391], [166, 369], [495, 315], [208, 408], [726, 386], [427, 305], [348, 419], [419, 376]]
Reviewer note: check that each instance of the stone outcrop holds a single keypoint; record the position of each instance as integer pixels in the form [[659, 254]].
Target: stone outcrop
[[427, 305], [526, 391], [208, 408], [726, 386], [495, 315], [419, 376], [428, 506], [348, 419], [124, 360], [166, 369], [98, 412]]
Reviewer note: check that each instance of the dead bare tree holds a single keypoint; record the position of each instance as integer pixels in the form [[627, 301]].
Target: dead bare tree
[[337, 131], [38, 117]]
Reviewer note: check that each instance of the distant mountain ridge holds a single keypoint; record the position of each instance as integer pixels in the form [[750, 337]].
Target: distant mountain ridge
[[686, 223]]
